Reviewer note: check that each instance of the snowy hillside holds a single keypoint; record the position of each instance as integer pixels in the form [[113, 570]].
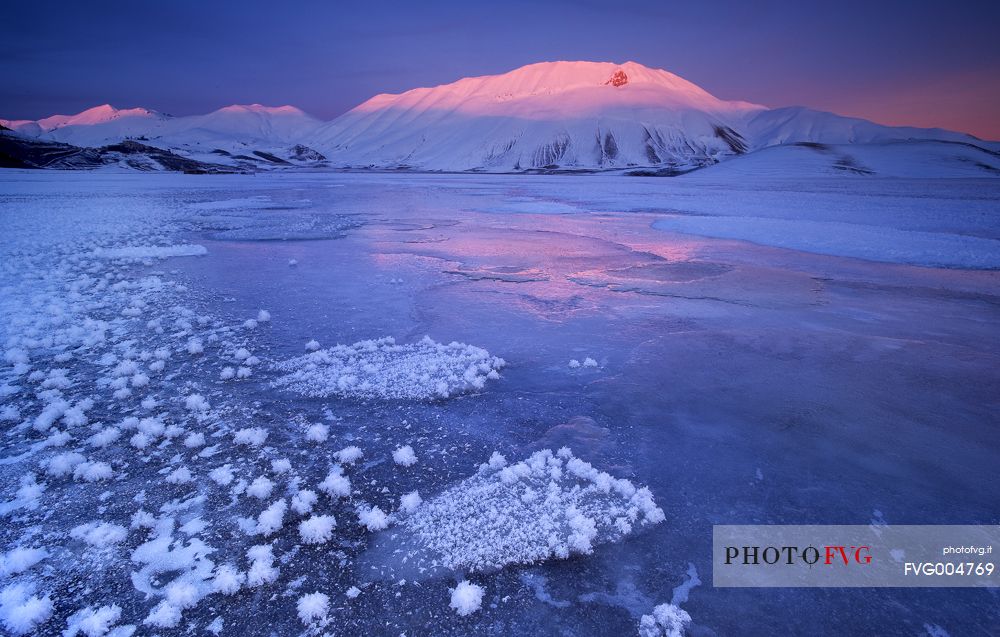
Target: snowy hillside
[[904, 158], [569, 116], [798, 124]]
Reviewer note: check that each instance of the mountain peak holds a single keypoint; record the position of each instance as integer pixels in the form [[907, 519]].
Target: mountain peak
[[561, 88], [94, 115]]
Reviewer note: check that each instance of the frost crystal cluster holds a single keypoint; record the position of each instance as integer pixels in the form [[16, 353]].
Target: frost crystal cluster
[[667, 620], [381, 368], [551, 505]]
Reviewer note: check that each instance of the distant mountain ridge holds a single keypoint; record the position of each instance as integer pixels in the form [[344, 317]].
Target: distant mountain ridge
[[550, 116]]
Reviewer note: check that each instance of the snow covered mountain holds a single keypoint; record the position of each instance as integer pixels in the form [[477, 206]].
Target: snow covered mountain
[[556, 114], [239, 135], [579, 115], [568, 116], [107, 117]]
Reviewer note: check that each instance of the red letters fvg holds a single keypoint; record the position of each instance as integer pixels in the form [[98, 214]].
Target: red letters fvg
[[859, 554]]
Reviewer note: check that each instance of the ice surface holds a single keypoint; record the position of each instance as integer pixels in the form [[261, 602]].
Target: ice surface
[[717, 360], [877, 243]]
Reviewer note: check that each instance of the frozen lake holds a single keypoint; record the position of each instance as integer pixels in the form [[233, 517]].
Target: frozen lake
[[753, 353]]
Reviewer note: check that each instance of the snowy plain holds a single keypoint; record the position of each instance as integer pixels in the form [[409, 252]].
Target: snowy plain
[[206, 426]]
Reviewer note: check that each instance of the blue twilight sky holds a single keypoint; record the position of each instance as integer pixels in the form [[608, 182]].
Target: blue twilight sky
[[925, 63]]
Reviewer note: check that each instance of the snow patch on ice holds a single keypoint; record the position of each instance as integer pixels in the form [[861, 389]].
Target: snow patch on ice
[[551, 505], [381, 368]]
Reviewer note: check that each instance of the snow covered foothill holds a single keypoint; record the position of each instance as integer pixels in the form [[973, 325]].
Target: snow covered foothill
[[381, 368], [551, 505]]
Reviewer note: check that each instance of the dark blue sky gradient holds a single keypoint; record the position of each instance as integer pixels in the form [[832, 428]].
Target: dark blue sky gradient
[[920, 63]]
